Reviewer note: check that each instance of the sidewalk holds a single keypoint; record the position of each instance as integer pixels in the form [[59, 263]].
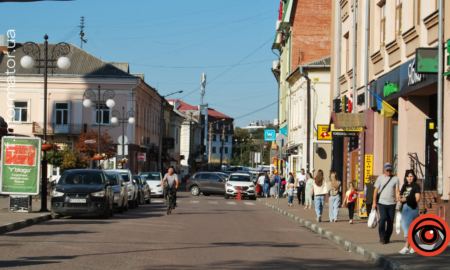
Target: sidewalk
[[357, 237], [14, 221]]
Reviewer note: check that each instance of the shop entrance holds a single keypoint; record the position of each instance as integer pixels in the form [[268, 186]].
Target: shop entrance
[[431, 155]]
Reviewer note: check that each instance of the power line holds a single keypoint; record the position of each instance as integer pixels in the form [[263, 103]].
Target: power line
[[203, 66]]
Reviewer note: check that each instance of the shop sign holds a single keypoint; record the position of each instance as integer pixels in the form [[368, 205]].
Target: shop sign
[[270, 135], [368, 167], [362, 208], [344, 134], [323, 134], [354, 129], [20, 165], [413, 76], [427, 60]]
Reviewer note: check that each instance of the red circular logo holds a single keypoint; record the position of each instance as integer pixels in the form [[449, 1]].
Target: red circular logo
[[429, 235]]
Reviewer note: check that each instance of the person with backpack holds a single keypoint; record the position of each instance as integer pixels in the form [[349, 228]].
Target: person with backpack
[[335, 197], [350, 199], [301, 184], [385, 196]]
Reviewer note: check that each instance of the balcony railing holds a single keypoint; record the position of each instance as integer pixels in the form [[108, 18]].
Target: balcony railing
[[53, 128]]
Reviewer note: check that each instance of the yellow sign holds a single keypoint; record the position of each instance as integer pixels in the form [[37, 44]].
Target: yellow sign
[[355, 129], [316, 79], [362, 209], [368, 167], [322, 133]]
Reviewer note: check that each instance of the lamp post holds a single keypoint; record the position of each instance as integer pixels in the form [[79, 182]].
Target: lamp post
[[33, 59], [123, 118], [100, 100], [161, 128]]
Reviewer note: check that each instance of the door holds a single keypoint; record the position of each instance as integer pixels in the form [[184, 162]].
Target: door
[[62, 117], [204, 182], [217, 184]]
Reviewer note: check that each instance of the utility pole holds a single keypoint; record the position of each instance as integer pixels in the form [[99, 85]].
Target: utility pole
[[190, 143], [203, 86], [209, 148], [221, 149], [82, 32]]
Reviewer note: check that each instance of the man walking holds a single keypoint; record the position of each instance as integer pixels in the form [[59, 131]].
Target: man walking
[[301, 184], [386, 189]]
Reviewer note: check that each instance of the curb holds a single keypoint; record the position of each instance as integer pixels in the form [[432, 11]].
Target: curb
[[377, 258], [23, 223]]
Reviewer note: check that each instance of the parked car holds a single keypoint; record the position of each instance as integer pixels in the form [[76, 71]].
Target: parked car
[[82, 192], [241, 180], [132, 187], [154, 180], [120, 191], [207, 183], [144, 190]]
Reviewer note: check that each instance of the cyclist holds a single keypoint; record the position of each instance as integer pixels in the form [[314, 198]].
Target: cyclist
[[172, 183]]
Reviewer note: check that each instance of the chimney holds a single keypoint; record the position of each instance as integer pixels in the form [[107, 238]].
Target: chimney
[[4, 43]]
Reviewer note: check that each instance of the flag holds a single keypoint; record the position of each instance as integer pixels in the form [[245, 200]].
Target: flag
[[386, 110]]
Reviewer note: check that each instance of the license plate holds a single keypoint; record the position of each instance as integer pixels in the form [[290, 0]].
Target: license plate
[[77, 200]]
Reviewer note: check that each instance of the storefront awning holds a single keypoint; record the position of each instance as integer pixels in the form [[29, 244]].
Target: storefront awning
[[347, 120]]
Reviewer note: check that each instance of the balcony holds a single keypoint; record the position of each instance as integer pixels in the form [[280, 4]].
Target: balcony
[[58, 129]]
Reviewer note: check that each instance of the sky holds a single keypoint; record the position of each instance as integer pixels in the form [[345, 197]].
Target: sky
[[172, 43]]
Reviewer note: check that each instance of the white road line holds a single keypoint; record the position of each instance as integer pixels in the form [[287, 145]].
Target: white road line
[[249, 203], [194, 201], [213, 202], [231, 202], [158, 201]]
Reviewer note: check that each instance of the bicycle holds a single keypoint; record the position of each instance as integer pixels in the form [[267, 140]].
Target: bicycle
[[170, 200]]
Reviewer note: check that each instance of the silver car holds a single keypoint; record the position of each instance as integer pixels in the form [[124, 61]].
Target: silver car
[[132, 187]]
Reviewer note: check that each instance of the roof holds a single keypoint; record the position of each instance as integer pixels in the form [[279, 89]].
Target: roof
[[320, 63], [214, 113], [123, 66], [183, 105], [83, 64]]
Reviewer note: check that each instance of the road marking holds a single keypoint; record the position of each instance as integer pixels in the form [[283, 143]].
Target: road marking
[[231, 202], [158, 201], [194, 201], [213, 202], [249, 203]]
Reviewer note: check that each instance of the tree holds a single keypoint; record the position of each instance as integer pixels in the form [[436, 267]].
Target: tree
[[89, 150], [72, 160]]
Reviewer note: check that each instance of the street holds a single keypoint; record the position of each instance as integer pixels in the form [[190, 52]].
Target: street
[[202, 233]]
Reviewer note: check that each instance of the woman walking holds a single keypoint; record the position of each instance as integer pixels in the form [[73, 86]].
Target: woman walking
[[320, 189], [335, 198], [266, 185], [350, 198], [410, 196], [308, 191]]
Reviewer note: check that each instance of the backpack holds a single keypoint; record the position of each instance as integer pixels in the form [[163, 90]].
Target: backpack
[[301, 184]]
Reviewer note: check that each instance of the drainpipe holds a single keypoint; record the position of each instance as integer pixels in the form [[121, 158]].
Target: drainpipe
[[338, 62], [308, 114], [132, 106], [439, 112], [366, 56], [354, 56]]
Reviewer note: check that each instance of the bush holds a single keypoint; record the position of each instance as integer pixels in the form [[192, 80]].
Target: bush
[[72, 160], [55, 157]]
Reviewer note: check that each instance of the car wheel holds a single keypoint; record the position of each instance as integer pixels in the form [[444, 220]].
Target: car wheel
[[253, 198], [55, 216], [107, 212], [226, 196], [195, 191], [149, 201], [121, 209], [206, 194]]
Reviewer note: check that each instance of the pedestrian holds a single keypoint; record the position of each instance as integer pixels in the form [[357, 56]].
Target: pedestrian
[[290, 194], [171, 179], [261, 181], [300, 183], [277, 185], [320, 189], [410, 197], [283, 187], [291, 178], [368, 194], [386, 190], [350, 199], [308, 191], [335, 197], [266, 185]]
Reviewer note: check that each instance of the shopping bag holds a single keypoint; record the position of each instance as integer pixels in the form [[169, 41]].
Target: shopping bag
[[398, 222], [373, 219]]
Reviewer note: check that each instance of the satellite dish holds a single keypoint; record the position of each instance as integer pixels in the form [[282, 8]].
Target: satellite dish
[[119, 140]]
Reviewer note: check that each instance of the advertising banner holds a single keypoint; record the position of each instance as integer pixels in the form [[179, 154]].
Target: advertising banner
[[368, 167], [21, 159], [362, 210]]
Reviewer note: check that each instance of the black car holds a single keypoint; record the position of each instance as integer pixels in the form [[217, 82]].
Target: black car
[[83, 192], [144, 190], [207, 183]]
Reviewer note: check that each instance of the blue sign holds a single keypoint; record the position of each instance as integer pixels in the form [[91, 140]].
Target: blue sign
[[270, 135], [284, 130]]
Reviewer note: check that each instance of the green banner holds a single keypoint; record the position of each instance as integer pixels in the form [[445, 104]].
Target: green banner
[[21, 160]]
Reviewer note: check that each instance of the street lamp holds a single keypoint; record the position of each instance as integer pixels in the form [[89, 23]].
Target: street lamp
[[123, 118], [161, 127], [90, 95], [33, 59]]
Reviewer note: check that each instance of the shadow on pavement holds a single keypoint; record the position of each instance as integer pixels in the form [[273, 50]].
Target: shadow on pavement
[[20, 263], [27, 234]]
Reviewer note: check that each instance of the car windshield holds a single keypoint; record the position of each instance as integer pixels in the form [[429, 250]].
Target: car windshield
[[151, 176], [82, 178], [113, 177], [223, 176], [125, 177], [138, 180], [241, 178]]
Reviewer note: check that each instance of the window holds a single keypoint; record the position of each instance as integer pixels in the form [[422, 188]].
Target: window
[[21, 111], [214, 138], [214, 149], [229, 127], [217, 126], [382, 24], [226, 138], [205, 176], [215, 177], [104, 114], [416, 12], [61, 113], [137, 115], [347, 51], [398, 18], [226, 150]]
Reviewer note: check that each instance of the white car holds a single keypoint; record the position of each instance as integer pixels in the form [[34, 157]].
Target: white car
[[154, 181], [242, 181], [132, 187]]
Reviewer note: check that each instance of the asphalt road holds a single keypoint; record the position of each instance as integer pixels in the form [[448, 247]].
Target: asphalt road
[[202, 233]]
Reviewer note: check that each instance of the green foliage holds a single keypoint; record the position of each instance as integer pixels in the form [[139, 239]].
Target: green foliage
[[55, 157], [72, 160], [244, 142]]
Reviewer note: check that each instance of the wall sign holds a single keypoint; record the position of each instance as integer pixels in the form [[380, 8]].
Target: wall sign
[[368, 167], [413, 76], [427, 60]]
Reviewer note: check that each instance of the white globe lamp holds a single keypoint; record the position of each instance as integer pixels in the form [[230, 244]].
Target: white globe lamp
[[87, 103], [114, 120], [63, 62], [27, 61], [110, 103], [131, 120]]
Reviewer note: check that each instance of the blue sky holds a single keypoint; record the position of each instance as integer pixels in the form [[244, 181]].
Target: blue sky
[[172, 43]]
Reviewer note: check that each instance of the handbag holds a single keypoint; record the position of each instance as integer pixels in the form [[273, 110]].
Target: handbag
[[379, 194], [373, 219]]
